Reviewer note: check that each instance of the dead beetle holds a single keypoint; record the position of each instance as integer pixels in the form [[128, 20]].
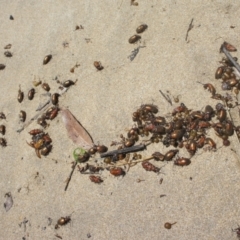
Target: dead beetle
[[53, 113], [182, 161], [20, 95], [142, 28], [170, 154], [46, 149], [95, 179], [158, 156], [31, 94], [47, 59], [35, 131], [129, 142], [68, 83], [54, 98], [150, 167], [62, 221], [3, 142], [134, 39], [222, 115], [22, 116], [2, 129], [117, 171], [219, 72], [98, 65], [46, 87], [41, 121], [2, 66], [101, 149]]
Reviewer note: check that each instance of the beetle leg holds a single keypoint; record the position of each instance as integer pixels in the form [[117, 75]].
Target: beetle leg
[[38, 153]]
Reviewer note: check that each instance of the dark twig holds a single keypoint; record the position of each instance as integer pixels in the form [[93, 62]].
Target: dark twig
[[166, 97], [124, 150], [70, 175], [189, 29]]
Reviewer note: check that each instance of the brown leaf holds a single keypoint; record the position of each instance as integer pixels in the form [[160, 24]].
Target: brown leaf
[[75, 130]]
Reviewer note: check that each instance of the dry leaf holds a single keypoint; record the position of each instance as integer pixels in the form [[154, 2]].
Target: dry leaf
[[75, 130], [9, 201]]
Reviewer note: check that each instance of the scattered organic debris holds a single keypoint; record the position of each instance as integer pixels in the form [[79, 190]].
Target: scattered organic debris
[[41, 142], [9, 201]]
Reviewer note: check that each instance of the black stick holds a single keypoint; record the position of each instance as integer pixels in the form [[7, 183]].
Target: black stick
[[70, 175], [124, 150]]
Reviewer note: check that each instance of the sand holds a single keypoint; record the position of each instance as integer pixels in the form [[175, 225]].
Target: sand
[[202, 198]]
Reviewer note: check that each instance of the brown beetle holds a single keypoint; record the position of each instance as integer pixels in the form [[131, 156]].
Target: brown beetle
[[150, 167], [20, 95], [46, 149], [68, 83], [2, 66], [141, 28], [35, 131], [62, 221], [229, 47], [170, 154], [222, 115], [46, 87], [3, 142], [22, 116], [42, 122], [98, 65], [182, 161], [210, 142], [101, 149], [2, 129], [158, 156], [210, 88], [47, 59], [54, 98], [134, 39], [149, 108], [177, 134], [31, 94], [117, 171], [129, 142], [219, 72], [54, 113], [95, 179]]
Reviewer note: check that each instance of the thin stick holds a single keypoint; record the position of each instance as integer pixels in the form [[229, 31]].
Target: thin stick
[[166, 97], [229, 56], [124, 150], [70, 175], [189, 29]]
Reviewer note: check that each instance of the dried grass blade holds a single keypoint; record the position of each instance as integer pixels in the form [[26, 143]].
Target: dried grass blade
[[75, 130]]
